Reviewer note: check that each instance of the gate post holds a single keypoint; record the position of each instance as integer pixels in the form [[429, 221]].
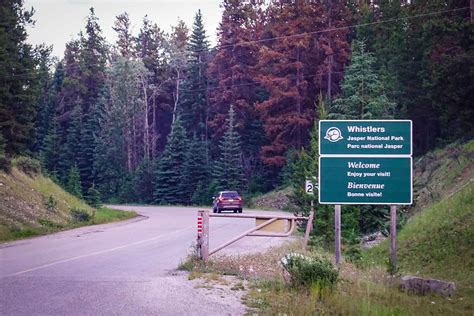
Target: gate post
[[309, 227], [203, 235]]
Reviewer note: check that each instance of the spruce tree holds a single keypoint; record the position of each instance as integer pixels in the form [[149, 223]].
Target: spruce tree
[[228, 167], [363, 93], [89, 137], [45, 104], [143, 181], [51, 148], [71, 146], [73, 184], [193, 108], [196, 172], [18, 84], [93, 197], [169, 175]]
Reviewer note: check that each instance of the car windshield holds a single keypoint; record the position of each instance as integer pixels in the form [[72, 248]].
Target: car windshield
[[230, 195]]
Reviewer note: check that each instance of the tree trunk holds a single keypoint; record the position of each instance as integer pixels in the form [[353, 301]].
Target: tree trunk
[[146, 134], [176, 99]]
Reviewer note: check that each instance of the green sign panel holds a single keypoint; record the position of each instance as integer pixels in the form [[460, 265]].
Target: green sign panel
[[354, 137], [362, 180]]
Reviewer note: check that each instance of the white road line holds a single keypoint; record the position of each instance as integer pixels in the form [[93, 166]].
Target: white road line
[[95, 253]]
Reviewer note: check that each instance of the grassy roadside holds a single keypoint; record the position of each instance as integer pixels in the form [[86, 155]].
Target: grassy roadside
[[370, 291], [33, 205], [102, 216], [437, 242]]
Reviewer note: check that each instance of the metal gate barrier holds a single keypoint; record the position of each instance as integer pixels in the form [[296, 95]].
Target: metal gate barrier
[[262, 221]]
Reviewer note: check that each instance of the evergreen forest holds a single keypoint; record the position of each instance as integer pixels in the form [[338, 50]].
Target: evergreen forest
[[166, 118]]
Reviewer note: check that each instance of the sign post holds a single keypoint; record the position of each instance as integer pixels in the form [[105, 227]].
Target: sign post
[[309, 189], [337, 231], [366, 162], [393, 238]]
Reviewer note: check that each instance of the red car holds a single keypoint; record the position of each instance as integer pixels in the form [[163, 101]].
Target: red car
[[227, 201]]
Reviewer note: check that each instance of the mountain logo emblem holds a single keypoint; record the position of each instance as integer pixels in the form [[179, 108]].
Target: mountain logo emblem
[[333, 134]]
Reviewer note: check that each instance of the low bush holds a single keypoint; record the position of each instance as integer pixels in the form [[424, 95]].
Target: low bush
[[5, 163], [29, 166], [51, 203], [353, 254], [80, 215], [310, 271]]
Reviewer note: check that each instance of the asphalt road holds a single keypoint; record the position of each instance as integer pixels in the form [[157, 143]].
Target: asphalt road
[[126, 268]]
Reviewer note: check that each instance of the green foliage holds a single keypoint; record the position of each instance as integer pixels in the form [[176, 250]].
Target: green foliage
[[196, 172], [169, 175], [362, 95], [310, 272], [353, 254], [193, 104], [93, 197], [51, 203], [5, 163], [50, 149], [18, 86], [227, 170], [68, 155], [28, 165], [50, 224], [80, 215], [436, 242], [73, 184], [143, 181]]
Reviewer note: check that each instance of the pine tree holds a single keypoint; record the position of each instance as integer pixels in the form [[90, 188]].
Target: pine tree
[[194, 101], [68, 157], [196, 172], [293, 69], [89, 135], [125, 40], [18, 85], [169, 175], [45, 104], [232, 77], [51, 148], [143, 181], [73, 184], [93, 59], [362, 94], [93, 197], [228, 168]]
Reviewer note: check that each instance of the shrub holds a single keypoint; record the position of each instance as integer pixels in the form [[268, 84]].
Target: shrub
[[353, 254], [93, 197], [5, 163], [310, 271], [29, 166], [51, 204], [80, 215]]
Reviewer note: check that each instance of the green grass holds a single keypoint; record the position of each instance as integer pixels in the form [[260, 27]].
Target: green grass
[[439, 242], [107, 215], [35, 205], [102, 216], [356, 295]]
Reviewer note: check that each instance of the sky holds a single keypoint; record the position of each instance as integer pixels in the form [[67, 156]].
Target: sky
[[59, 21]]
